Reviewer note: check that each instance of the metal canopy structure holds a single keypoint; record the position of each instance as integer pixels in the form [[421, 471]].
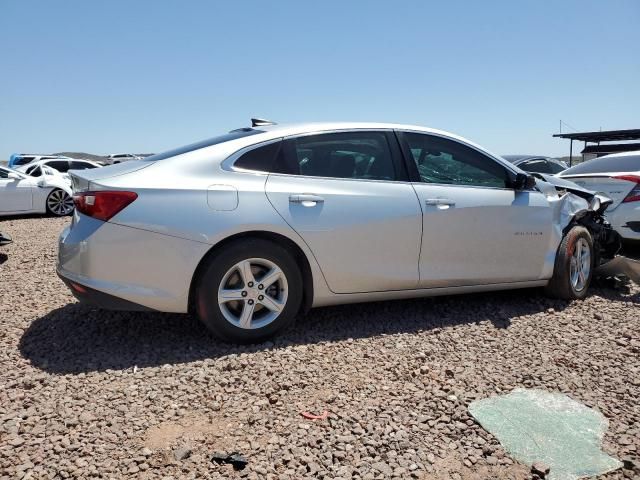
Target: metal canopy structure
[[602, 136], [611, 148], [605, 136]]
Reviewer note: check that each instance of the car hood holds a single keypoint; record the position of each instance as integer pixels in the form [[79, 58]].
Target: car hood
[[54, 181], [567, 185]]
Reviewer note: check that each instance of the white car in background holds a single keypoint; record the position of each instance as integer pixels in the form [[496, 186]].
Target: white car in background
[[618, 177], [61, 165], [21, 193], [122, 157]]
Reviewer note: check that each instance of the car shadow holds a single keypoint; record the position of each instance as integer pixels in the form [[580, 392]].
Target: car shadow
[[76, 338], [3, 258]]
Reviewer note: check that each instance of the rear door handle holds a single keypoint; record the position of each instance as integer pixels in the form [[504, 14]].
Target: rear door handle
[[306, 198], [439, 201]]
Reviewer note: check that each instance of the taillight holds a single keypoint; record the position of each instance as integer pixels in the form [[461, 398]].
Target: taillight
[[634, 194], [103, 205]]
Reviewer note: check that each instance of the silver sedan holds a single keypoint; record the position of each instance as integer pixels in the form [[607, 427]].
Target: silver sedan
[[252, 227]]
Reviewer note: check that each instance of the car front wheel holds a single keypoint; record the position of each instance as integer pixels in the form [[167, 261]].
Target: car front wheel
[[574, 265], [248, 291]]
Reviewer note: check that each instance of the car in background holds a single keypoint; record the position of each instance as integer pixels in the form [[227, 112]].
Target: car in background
[[21, 193], [537, 163], [618, 177], [121, 157], [18, 159], [253, 226], [62, 165]]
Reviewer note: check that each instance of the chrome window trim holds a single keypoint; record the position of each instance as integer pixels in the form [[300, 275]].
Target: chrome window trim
[[473, 186], [340, 179]]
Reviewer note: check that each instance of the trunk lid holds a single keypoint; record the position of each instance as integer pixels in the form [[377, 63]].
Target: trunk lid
[[614, 188], [81, 179]]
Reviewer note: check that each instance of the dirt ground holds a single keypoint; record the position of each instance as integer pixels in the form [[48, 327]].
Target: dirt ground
[[86, 393]]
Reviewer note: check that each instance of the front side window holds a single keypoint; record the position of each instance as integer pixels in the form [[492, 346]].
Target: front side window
[[34, 171], [444, 161], [354, 155]]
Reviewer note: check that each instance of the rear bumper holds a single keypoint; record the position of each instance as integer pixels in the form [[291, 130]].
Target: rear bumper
[[100, 299], [621, 266], [142, 269]]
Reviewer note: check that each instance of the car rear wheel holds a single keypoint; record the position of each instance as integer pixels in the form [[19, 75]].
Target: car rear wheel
[[248, 291], [574, 266], [59, 203]]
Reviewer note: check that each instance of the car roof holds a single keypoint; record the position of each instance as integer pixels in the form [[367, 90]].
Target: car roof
[[264, 133], [276, 130]]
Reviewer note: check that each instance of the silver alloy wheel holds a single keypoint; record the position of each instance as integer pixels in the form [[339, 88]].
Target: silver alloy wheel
[[253, 293], [580, 265], [60, 202]]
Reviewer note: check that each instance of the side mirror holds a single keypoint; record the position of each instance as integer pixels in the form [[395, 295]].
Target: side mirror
[[524, 181], [13, 176]]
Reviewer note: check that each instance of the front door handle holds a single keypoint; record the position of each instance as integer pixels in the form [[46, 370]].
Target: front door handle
[[307, 199], [440, 201]]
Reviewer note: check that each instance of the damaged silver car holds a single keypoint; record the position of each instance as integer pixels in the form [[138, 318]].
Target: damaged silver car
[[249, 228]]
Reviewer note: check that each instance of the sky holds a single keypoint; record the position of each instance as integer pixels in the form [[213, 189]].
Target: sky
[[146, 76]]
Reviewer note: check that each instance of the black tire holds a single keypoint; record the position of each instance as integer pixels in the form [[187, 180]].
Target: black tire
[[62, 194], [216, 268], [560, 285]]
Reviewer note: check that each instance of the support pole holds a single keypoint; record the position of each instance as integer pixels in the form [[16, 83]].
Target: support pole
[[571, 153]]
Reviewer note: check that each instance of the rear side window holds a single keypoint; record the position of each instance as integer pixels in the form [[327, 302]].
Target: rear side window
[[81, 166], [536, 166], [356, 155], [555, 167], [444, 161], [259, 159], [627, 163], [34, 171], [60, 165]]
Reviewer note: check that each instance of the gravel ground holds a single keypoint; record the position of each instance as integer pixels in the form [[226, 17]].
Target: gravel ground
[[88, 393]]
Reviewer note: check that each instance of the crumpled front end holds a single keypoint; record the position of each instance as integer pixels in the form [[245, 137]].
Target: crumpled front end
[[574, 205]]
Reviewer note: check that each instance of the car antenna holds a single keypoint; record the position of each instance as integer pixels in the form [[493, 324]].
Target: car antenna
[[261, 122]]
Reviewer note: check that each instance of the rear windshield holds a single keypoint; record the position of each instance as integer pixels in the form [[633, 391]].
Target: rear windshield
[[233, 135], [630, 163]]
